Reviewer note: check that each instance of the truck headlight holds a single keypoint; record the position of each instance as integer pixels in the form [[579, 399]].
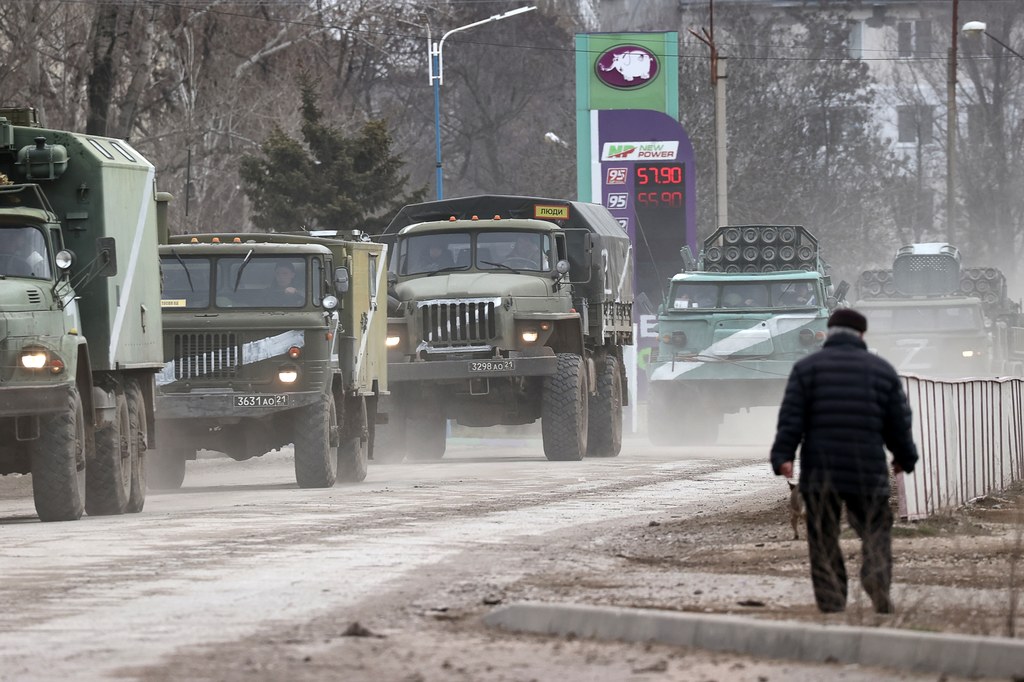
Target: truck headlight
[[392, 341], [287, 375], [34, 359], [529, 335], [971, 353]]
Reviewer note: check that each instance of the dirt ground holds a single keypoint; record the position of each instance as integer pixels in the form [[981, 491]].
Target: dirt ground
[[960, 572]]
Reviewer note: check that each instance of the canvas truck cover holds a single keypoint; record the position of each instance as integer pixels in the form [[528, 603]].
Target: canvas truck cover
[[611, 270]]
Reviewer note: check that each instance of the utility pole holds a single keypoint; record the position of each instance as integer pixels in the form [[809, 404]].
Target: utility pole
[[718, 75], [951, 130]]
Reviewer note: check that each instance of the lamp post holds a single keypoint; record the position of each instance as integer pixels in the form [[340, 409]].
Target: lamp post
[[976, 28], [951, 126], [435, 54]]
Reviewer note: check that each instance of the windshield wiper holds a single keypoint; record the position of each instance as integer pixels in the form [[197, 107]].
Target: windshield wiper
[[500, 265], [238, 277], [184, 267], [447, 268]]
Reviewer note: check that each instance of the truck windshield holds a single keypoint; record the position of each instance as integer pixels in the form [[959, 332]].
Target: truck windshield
[[513, 251], [23, 253], [185, 282], [924, 319], [430, 253], [261, 282], [720, 295]]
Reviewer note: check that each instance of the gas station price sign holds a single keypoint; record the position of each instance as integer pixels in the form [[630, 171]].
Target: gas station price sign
[[659, 186]]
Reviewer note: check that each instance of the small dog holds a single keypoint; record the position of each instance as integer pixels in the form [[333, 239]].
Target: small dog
[[796, 508]]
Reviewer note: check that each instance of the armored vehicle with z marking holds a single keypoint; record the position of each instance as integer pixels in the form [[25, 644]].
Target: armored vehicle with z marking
[[506, 310], [932, 317], [79, 316], [732, 326], [271, 339]]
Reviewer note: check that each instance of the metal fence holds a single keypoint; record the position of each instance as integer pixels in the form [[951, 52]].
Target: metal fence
[[970, 436]]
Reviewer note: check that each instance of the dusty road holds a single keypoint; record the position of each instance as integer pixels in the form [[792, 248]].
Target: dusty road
[[241, 575]]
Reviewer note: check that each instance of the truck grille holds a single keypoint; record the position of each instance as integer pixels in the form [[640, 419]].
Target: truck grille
[[207, 356], [452, 323]]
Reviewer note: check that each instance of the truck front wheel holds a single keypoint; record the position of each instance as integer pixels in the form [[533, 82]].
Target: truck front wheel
[[165, 468], [604, 438], [58, 463], [316, 444], [139, 434], [564, 410], [108, 479], [353, 451]]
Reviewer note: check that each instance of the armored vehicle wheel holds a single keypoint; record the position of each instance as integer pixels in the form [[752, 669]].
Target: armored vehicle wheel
[[426, 436], [139, 434], [564, 410], [353, 451], [165, 468], [316, 444], [108, 478], [604, 438], [58, 463]]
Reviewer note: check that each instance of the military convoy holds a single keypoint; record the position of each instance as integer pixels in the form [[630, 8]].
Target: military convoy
[[504, 310], [930, 316], [734, 322], [271, 339], [80, 327]]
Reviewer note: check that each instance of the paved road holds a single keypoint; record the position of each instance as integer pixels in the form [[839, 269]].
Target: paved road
[[241, 575]]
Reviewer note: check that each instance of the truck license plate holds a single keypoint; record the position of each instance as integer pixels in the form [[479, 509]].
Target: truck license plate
[[492, 366], [260, 400]]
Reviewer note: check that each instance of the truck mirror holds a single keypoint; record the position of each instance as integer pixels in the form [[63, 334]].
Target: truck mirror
[[341, 280], [392, 280], [106, 257]]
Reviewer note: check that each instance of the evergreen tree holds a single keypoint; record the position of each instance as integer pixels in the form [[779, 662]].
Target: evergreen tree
[[327, 180]]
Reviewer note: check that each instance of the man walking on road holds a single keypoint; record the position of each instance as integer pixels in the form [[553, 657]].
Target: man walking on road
[[843, 406]]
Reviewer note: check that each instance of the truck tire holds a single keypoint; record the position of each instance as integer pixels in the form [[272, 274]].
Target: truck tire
[[108, 477], [604, 438], [316, 444], [165, 468], [564, 410], [58, 459], [139, 434], [426, 436], [354, 449]]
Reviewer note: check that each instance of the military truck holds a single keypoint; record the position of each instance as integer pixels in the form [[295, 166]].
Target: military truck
[[504, 310], [79, 316], [933, 317], [271, 339], [734, 321]]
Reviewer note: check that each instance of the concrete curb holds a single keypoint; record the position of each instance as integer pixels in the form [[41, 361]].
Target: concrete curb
[[965, 655]]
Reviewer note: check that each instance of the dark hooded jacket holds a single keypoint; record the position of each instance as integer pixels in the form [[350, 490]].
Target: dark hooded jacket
[[843, 406]]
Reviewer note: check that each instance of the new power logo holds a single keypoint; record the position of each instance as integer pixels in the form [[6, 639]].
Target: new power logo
[[628, 151]]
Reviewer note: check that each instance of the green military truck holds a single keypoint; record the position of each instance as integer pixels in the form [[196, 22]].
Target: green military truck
[[731, 327], [504, 310], [930, 316], [79, 316], [271, 339]]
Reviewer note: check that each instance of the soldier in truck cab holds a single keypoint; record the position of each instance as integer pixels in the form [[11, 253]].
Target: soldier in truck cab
[[284, 291]]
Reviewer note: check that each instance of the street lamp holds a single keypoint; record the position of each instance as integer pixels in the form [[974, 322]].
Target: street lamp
[[976, 28], [434, 51]]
